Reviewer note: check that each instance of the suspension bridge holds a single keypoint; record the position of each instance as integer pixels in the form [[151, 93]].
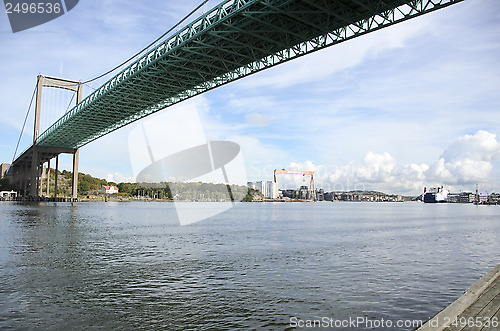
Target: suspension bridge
[[234, 39]]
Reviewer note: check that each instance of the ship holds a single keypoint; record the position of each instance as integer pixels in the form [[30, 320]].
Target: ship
[[435, 194]]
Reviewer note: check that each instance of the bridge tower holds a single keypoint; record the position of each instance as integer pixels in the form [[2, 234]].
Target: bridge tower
[[42, 154]]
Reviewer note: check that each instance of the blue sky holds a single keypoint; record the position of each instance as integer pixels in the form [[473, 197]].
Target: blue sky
[[412, 105]]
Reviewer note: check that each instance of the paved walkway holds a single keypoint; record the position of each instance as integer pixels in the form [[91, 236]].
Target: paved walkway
[[478, 309]]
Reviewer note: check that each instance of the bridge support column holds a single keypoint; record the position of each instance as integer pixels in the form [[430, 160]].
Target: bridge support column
[[41, 173], [76, 155], [35, 170], [74, 195], [26, 174], [34, 174], [38, 106], [55, 176], [23, 184], [39, 177], [18, 180], [48, 177]]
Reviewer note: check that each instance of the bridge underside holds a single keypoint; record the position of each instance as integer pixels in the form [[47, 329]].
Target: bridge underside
[[27, 172], [233, 40]]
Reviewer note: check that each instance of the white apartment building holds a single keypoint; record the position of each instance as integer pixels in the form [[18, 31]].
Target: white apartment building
[[268, 189]]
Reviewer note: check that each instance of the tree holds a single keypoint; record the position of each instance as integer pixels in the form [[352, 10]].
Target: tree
[[84, 187], [5, 185], [127, 188]]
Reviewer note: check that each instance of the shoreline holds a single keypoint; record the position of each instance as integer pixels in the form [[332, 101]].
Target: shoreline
[[87, 200]]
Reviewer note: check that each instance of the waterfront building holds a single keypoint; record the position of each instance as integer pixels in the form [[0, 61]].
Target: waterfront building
[[269, 190], [7, 195], [3, 169], [291, 194], [303, 193], [329, 196], [495, 198], [483, 198], [258, 186], [467, 197], [454, 197], [109, 189]]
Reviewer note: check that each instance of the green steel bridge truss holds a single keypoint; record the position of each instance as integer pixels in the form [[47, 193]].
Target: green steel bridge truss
[[233, 40]]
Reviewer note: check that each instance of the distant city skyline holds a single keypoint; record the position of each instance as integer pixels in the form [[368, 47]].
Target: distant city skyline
[[412, 105]]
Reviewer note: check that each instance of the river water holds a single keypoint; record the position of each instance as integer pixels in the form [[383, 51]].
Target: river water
[[258, 266]]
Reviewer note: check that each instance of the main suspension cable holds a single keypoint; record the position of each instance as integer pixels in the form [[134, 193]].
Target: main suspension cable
[[70, 101], [151, 44], [24, 124], [107, 72], [138, 53]]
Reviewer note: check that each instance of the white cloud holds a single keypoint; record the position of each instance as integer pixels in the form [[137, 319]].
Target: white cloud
[[375, 172], [376, 168], [251, 102], [119, 178], [256, 119], [482, 146], [467, 160]]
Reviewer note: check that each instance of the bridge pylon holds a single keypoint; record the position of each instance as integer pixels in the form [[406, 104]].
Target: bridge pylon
[[27, 170]]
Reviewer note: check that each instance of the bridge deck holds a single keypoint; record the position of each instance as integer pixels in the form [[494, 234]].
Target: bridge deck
[[477, 309], [234, 39]]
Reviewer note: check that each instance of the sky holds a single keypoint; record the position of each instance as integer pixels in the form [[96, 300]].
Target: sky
[[410, 106]]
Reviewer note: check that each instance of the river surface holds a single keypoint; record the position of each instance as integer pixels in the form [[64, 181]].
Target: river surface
[[263, 266]]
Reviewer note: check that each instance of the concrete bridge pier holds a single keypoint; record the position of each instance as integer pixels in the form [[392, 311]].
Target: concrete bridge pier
[[74, 188]]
